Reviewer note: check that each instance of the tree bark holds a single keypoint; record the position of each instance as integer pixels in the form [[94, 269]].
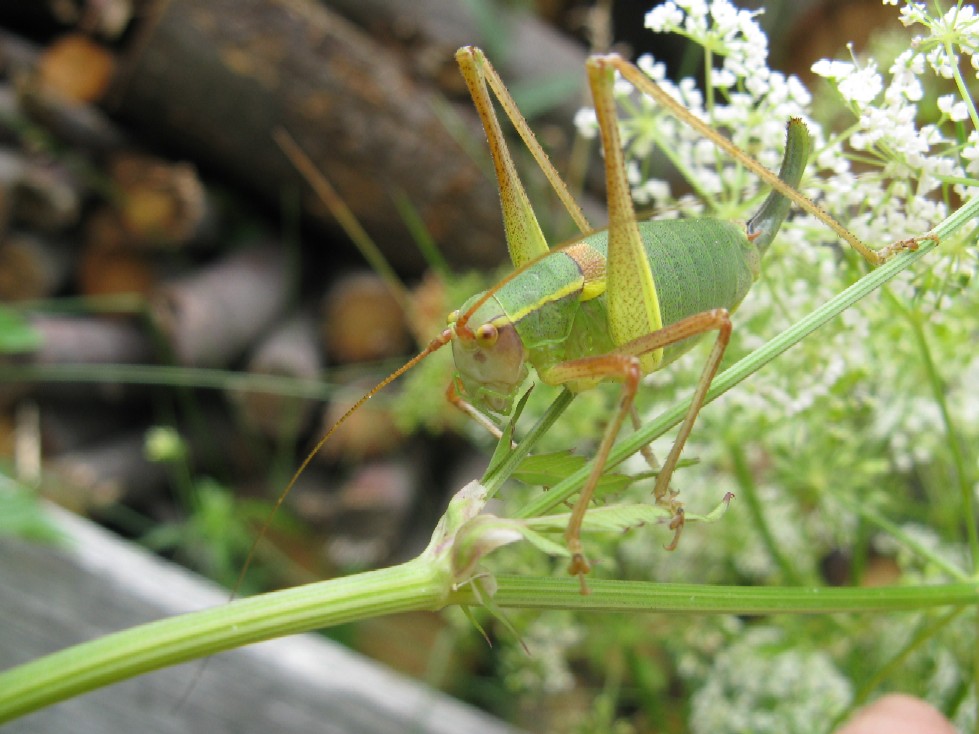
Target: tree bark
[[217, 78]]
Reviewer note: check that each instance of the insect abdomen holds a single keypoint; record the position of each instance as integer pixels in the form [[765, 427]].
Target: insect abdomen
[[698, 265]]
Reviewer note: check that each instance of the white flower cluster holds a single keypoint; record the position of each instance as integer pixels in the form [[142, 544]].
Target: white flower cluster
[[907, 174], [864, 412], [764, 683]]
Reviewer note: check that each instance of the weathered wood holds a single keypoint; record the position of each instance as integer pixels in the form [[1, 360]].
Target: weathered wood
[[82, 126], [68, 425], [95, 584], [97, 476], [76, 67], [32, 266], [37, 193], [105, 18], [361, 321], [17, 55], [12, 169], [161, 205], [210, 316], [369, 433], [217, 78], [526, 51], [23, 97], [75, 340], [545, 68], [364, 518], [11, 115], [107, 263], [289, 350], [88, 340]]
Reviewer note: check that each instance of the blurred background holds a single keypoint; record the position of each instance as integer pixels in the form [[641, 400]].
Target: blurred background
[[182, 317]]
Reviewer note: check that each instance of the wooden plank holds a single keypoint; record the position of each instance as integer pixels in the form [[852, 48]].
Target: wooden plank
[[97, 583]]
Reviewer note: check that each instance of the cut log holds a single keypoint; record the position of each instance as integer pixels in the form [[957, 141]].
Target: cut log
[[428, 32], [209, 317], [67, 426], [368, 433], [71, 340], [79, 125], [218, 89], [108, 265], [32, 266], [76, 67], [12, 116], [18, 56], [48, 197], [162, 205], [88, 340], [363, 520], [362, 322], [12, 169], [104, 474], [105, 18]]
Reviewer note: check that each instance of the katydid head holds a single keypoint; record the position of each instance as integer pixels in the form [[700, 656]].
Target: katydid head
[[489, 357]]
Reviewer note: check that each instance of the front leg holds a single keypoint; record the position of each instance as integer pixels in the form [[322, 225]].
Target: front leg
[[624, 365]]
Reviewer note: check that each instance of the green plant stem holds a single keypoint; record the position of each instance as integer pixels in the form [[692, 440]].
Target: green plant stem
[[952, 436], [146, 374], [416, 585], [749, 491], [498, 473], [419, 584], [606, 595], [929, 629], [562, 491], [424, 584], [901, 535]]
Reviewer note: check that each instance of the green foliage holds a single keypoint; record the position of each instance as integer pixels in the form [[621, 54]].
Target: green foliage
[[21, 513], [16, 334], [857, 444]]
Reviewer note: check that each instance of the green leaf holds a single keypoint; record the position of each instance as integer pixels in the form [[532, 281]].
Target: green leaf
[[16, 333], [505, 445], [22, 515], [549, 469], [619, 518]]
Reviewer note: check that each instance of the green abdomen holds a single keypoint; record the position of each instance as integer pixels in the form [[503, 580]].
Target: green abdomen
[[697, 265]]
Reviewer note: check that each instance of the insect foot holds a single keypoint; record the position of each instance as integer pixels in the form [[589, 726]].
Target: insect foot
[[579, 565], [909, 245], [676, 525]]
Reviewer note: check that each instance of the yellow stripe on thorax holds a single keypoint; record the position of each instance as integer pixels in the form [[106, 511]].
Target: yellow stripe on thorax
[[590, 284]]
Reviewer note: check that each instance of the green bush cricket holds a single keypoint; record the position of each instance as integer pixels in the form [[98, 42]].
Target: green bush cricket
[[614, 304]]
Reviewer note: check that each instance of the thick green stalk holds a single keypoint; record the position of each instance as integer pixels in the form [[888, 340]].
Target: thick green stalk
[[641, 596], [420, 584], [416, 585]]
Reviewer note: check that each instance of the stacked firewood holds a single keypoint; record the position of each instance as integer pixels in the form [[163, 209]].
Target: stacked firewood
[[143, 203]]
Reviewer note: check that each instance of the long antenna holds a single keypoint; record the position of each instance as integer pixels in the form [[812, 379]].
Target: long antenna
[[437, 343], [341, 212]]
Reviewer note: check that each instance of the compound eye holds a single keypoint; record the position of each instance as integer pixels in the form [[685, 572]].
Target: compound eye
[[452, 318], [486, 335]]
